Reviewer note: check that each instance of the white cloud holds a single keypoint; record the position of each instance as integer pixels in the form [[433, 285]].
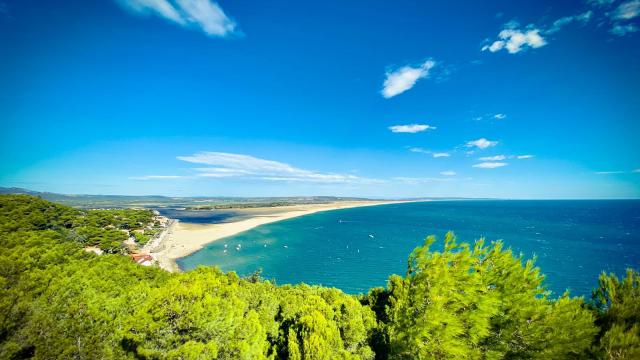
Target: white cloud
[[493, 158], [440, 154], [627, 10], [411, 128], [515, 40], [490, 165], [482, 143], [403, 79], [448, 173], [522, 157], [228, 165], [499, 116], [202, 14], [157, 177]]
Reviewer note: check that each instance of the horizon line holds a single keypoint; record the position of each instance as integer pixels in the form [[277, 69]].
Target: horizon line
[[25, 191]]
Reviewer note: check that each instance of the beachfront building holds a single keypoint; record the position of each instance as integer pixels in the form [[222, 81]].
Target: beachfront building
[[143, 259]]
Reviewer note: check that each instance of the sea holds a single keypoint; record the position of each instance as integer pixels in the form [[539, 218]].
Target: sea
[[356, 249]]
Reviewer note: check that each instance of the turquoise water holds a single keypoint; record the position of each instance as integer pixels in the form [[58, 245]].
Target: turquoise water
[[356, 249]]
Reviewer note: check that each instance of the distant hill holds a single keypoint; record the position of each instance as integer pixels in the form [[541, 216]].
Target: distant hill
[[154, 201]]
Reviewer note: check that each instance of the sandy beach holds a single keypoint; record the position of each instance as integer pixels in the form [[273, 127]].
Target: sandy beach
[[182, 239]]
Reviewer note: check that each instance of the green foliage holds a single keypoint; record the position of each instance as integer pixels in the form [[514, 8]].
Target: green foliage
[[23, 212], [617, 303], [128, 219], [141, 238], [200, 310], [57, 301], [480, 302], [107, 229]]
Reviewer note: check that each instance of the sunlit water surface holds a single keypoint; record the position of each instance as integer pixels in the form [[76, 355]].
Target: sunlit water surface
[[356, 249]]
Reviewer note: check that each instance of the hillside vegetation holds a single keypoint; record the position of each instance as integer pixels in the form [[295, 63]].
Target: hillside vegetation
[[477, 301]]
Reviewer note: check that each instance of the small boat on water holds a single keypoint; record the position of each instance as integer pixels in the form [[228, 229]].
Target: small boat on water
[[371, 236]]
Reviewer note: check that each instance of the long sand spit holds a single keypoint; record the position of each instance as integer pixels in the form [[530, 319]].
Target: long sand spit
[[182, 239]]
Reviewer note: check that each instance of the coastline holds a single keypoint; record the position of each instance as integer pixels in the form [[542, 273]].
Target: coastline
[[183, 239]]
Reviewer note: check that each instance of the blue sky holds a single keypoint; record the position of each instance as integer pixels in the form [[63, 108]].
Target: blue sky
[[527, 99]]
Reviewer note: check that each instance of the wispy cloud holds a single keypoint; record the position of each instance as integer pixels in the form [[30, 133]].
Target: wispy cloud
[[496, 116], [490, 165], [601, 2], [404, 78], [514, 39], [228, 165], [621, 17], [504, 157], [419, 150], [411, 128], [618, 172], [493, 158], [482, 143], [448, 173], [425, 151], [622, 30], [627, 10], [566, 20], [440, 154], [205, 15]]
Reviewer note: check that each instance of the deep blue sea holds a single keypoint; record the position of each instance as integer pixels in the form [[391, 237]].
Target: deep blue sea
[[356, 249]]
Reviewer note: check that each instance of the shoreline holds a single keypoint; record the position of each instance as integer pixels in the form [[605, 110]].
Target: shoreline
[[183, 239]]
